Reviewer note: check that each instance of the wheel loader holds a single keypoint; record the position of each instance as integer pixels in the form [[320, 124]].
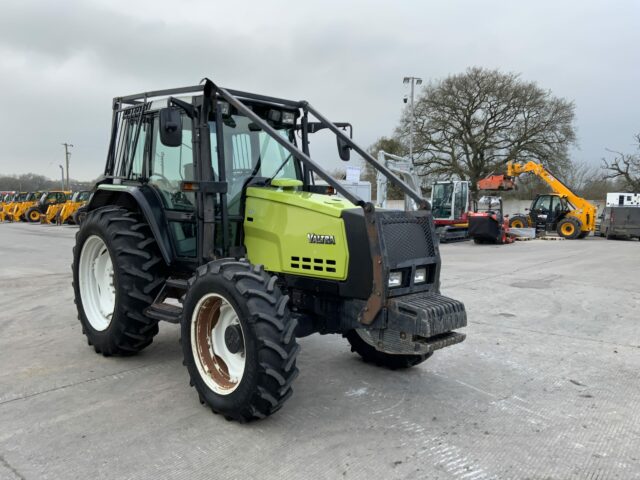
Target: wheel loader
[[208, 216]]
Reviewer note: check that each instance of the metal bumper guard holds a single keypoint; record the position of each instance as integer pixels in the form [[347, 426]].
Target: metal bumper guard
[[418, 324]]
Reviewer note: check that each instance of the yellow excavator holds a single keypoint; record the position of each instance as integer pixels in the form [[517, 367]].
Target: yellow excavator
[[562, 211]]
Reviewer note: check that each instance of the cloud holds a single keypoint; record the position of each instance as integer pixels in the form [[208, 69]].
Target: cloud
[[61, 63]]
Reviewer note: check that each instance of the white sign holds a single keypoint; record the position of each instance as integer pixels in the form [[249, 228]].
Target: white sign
[[353, 174]]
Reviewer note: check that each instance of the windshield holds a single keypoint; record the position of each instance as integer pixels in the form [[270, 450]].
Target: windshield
[[441, 197], [251, 152]]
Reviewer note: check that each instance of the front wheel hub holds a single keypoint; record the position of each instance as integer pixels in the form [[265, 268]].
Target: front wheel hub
[[233, 338]]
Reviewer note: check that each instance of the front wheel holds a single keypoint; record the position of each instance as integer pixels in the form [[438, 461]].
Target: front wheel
[[238, 340], [370, 355], [33, 215]]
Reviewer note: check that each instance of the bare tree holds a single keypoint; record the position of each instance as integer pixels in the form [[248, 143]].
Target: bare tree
[[469, 125], [625, 167]]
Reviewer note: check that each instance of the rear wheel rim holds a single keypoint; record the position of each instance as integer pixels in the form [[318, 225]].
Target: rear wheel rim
[[220, 369], [97, 287], [518, 224], [34, 216]]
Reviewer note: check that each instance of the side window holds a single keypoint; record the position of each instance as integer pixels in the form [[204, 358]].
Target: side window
[[131, 147], [172, 165], [136, 170]]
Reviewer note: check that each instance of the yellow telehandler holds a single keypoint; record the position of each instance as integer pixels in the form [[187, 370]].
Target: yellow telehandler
[[563, 211]]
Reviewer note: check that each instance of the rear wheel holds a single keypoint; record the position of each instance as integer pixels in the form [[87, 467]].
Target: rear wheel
[[33, 215], [519, 221], [370, 355], [79, 216], [569, 228], [238, 340], [117, 272]]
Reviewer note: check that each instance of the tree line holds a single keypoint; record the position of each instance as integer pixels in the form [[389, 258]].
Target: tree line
[[32, 182], [469, 125]]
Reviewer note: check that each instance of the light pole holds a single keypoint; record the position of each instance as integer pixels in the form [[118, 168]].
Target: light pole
[[67, 154], [413, 81], [61, 177]]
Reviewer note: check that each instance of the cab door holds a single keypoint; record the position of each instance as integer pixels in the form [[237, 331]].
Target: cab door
[[168, 168], [559, 210], [541, 211]]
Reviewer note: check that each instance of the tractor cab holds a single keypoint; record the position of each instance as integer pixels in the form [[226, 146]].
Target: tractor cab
[[547, 210]]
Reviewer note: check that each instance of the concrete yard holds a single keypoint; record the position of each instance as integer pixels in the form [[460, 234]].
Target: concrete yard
[[546, 386]]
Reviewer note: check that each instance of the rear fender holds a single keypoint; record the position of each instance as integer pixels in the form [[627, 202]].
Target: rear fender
[[143, 199]]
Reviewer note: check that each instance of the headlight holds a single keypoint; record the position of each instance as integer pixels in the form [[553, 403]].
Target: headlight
[[420, 276], [395, 279]]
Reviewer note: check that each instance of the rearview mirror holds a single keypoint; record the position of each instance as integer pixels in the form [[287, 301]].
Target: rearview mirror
[[344, 150], [170, 127]]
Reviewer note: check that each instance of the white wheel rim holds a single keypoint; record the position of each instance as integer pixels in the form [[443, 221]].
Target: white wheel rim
[[97, 289], [220, 369]]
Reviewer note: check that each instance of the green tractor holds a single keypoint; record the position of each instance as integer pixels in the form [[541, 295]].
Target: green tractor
[[208, 215]]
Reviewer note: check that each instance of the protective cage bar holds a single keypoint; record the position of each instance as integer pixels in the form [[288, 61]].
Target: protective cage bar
[[234, 98]]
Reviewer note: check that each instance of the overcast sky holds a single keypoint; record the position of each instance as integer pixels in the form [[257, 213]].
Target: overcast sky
[[61, 62]]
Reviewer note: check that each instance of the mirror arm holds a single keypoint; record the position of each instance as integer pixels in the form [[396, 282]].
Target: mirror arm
[[189, 109]]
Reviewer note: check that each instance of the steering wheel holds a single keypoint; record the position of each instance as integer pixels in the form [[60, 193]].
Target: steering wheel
[[162, 178]]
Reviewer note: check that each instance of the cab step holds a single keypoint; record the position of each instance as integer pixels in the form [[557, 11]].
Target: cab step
[[164, 312]]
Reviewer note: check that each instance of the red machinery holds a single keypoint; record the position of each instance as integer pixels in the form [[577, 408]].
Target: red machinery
[[487, 224], [497, 182]]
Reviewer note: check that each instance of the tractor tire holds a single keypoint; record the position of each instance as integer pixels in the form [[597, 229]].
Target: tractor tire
[[79, 217], [238, 340], [519, 221], [569, 228], [370, 355], [33, 215], [117, 273]]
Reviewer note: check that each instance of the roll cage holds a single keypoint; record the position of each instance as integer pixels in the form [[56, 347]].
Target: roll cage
[[207, 103]]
